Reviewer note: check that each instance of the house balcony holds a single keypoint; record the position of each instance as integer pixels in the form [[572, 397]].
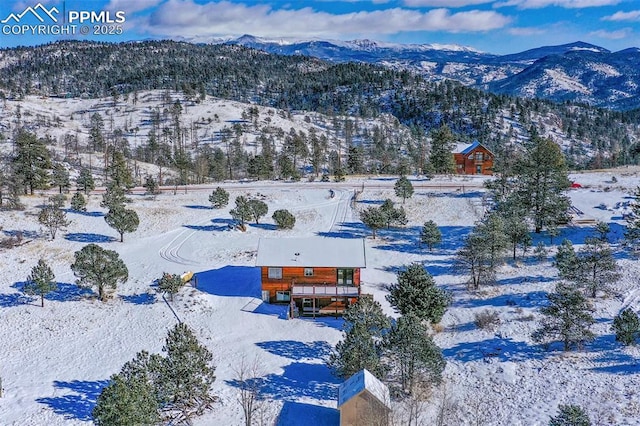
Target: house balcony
[[324, 290]]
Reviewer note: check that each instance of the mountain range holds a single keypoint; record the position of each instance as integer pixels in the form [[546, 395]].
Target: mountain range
[[579, 71]]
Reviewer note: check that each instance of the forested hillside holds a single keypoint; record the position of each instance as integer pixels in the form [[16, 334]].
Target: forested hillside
[[590, 137]]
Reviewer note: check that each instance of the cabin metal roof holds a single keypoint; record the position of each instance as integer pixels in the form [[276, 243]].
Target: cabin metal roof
[[465, 148], [312, 252]]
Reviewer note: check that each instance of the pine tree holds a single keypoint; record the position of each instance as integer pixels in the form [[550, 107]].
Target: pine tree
[[113, 197], [430, 234], [151, 186], [241, 212], [85, 181], [185, 375], [96, 132], [632, 232], [491, 231], [284, 219], [122, 220], [364, 325], [416, 293], [373, 218], [540, 252], [41, 281], [602, 230], [219, 198], [257, 208], [403, 188], [411, 355], [442, 145], [129, 398], [627, 327], [474, 258], [10, 188], [53, 218], [119, 173], [31, 162], [170, 283], [567, 261], [393, 216], [78, 203], [570, 415], [541, 183], [515, 228], [567, 318], [100, 268], [60, 177], [597, 267]]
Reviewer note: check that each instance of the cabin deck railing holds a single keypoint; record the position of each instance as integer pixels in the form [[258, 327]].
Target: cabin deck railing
[[324, 290]]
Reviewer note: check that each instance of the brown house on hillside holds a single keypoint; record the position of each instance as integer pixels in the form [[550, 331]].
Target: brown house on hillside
[[474, 159], [316, 276]]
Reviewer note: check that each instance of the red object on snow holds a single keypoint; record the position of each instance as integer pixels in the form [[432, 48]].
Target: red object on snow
[[576, 185]]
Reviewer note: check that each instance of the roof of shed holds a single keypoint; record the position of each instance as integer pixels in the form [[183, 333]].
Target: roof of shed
[[363, 380]]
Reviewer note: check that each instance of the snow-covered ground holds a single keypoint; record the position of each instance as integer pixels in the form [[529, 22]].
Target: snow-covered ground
[[54, 360]]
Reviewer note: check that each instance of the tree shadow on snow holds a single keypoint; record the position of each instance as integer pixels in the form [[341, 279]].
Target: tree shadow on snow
[[65, 292], [83, 213], [78, 404], [298, 380], [140, 299], [82, 237], [296, 350], [349, 230], [613, 360], [197, 207], [433, 267], [495, 348], [218, 225], [313, 415], [23, 233], [231, 281], [265, 226], [534, 299], [9, 300]]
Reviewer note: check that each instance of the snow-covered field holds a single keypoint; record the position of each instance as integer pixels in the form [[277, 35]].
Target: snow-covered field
[[54, 360]]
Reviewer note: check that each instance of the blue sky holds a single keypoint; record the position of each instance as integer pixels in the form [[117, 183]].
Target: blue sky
[[495, 26]]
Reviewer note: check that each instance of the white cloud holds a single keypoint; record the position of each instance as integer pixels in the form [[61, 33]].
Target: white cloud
[[185, 18], [567, 4], [526, 31], [23, 4], [131, 6], [633, 15], [444, 3], [613, 35]]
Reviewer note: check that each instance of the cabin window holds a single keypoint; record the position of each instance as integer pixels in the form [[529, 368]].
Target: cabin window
[[283, 296], [308, 272], [345, 276], [478, 156], [275, 273]]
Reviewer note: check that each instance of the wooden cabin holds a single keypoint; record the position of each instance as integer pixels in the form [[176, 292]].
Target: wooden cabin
[[363, 400], [474, 159], [316, 276]]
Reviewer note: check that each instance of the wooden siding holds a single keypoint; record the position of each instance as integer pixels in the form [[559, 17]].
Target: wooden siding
[[364, 410], [295, 275], [472, 166]]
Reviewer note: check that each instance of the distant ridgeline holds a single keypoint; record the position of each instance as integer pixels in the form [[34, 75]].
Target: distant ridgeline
[[590, 137]]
